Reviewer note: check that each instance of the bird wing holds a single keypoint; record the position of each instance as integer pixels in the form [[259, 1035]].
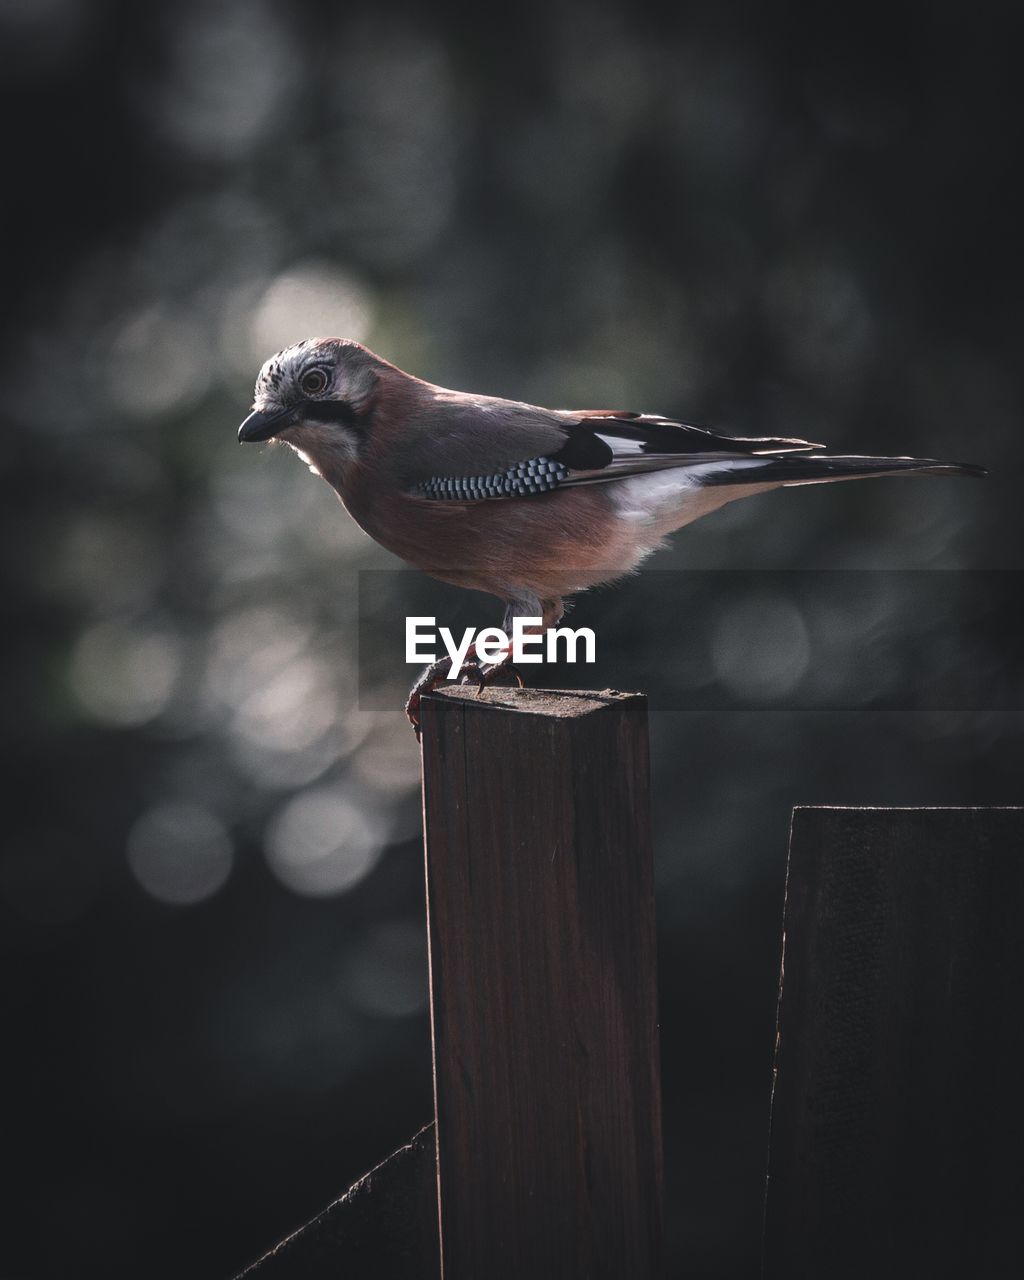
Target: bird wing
[[500, 449], [603, 445]]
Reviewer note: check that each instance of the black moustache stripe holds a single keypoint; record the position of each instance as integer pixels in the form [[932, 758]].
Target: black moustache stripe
[[327, 412]]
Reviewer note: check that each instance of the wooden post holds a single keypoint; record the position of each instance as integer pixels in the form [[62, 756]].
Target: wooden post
[[898, 1115], [542, 950]]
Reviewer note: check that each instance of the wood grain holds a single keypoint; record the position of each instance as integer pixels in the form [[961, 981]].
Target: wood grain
[[543, 987]]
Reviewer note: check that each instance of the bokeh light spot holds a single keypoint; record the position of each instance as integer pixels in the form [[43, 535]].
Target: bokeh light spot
[[291, 709], [323, 842], [312, 300], [179, 853], [123, 676], [219, 51], [159, 362]]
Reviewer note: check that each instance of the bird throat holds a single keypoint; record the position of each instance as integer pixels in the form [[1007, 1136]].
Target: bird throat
[[327, 450]]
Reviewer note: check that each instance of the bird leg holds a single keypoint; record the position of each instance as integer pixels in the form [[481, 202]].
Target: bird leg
[[522, 604], [435, 676]]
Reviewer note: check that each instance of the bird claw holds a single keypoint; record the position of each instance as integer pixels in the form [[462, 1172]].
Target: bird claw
[[490, 674], [471, 671], [433, 678]]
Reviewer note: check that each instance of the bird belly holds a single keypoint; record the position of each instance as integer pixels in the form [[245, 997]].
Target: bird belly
[[551, 544]]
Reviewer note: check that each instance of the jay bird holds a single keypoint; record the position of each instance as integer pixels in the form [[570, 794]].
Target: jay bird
[[528, 504]]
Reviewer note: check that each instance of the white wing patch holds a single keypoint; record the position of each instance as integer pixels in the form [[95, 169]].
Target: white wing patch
[[660, 501]]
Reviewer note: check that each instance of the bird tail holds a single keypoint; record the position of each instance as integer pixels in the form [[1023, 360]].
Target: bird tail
[[794, 469]]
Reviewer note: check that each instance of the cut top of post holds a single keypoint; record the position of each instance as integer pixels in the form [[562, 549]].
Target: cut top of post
[[558, 704]]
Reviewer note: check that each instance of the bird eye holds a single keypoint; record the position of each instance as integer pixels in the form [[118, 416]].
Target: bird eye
[[313, 382]]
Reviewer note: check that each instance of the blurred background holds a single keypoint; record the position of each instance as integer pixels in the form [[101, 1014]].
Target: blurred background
[[769, 219]]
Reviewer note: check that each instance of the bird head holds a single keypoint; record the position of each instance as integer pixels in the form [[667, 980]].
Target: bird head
[[314, 396]]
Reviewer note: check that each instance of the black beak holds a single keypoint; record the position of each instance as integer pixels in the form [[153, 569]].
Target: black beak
[[261, 426]]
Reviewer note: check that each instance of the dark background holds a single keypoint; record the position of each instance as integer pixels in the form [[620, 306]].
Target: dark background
[[769, 219]]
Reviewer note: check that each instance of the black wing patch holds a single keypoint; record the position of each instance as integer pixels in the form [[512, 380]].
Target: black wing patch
[[627, 435], [602, 446]]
